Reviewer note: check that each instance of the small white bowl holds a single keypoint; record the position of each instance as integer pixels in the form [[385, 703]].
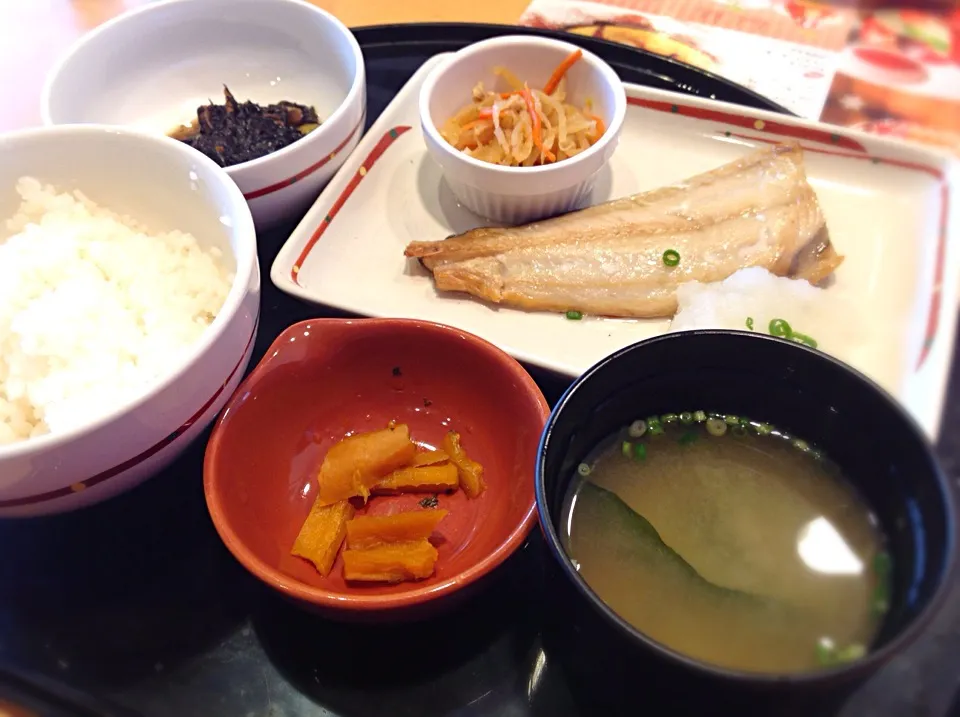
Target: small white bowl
[[514, 195], [151, 68], [165, 185]]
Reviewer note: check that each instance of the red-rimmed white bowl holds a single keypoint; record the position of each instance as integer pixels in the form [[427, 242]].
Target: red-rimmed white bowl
[[151, 68], [165, 185], [324, 378]]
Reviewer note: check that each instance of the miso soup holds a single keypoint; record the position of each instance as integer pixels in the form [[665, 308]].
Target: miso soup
[[729, 542]]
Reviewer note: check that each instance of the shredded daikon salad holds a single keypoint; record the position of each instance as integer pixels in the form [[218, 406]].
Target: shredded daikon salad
[[524, 126]]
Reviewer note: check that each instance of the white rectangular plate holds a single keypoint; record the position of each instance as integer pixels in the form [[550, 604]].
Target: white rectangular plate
[[887, 207]]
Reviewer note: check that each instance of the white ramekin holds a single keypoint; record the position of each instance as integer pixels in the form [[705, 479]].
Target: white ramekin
[[514, 195]]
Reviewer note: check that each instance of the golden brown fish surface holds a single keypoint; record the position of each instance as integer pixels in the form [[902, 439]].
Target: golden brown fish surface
[[608, 259]]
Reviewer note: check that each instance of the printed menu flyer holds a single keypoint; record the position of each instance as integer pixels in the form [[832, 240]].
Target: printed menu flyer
[[890, 72]]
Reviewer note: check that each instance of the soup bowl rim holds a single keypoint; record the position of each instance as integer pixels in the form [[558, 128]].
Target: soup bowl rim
[[865, 665]]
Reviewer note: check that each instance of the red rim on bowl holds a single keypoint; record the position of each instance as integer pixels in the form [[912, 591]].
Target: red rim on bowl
[[354, 599], [139, 16]]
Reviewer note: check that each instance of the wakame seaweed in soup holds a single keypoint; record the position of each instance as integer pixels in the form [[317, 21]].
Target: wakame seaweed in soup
[[236, 132], [730, 542]]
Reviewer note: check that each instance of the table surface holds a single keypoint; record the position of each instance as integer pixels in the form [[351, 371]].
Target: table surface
[[34, 33]]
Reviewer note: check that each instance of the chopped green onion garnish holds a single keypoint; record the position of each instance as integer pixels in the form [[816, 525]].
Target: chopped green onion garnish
[[804, 339], [750, 323], [668, 418], [829, 655], [654, 426], [826, 653], [731, 420], [801, 445], [633, 450], [671, 257], [689, 437], [851, 652], [881, 564], [574, 315], [637, 429], [879, 603], [779, 327], [686, 418], [880, 600], [699, 416], [583, 469], [762, 429], [716, 426]]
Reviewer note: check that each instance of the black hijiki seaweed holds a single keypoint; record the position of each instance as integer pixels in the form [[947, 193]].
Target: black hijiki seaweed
[[236, 132]]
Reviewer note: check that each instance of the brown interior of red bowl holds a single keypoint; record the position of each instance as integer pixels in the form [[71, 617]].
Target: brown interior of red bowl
[[325, 378]]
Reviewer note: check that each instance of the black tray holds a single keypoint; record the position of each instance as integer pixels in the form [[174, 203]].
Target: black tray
[[137, 601]]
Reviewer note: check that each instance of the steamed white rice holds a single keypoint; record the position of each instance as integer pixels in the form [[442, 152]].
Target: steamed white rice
[[93, 309]]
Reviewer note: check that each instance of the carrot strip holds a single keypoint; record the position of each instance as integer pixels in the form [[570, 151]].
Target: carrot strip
[[485, 113], [439, 478], [372, 531], [475, 123], [469, 472], [429, 457], [355, 464], [535, 118], [601, 128], [561, 70], [390, 563]]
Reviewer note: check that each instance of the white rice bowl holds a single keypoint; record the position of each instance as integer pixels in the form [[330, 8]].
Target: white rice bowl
[[94, 310]]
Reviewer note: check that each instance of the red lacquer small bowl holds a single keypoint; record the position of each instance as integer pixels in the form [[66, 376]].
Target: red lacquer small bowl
[[324, 378]]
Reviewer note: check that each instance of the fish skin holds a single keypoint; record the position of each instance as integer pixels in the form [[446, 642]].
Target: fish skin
[[608, 259]]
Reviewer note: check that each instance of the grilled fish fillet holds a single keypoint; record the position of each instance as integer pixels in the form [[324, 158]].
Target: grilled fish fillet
[[608, 259]]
